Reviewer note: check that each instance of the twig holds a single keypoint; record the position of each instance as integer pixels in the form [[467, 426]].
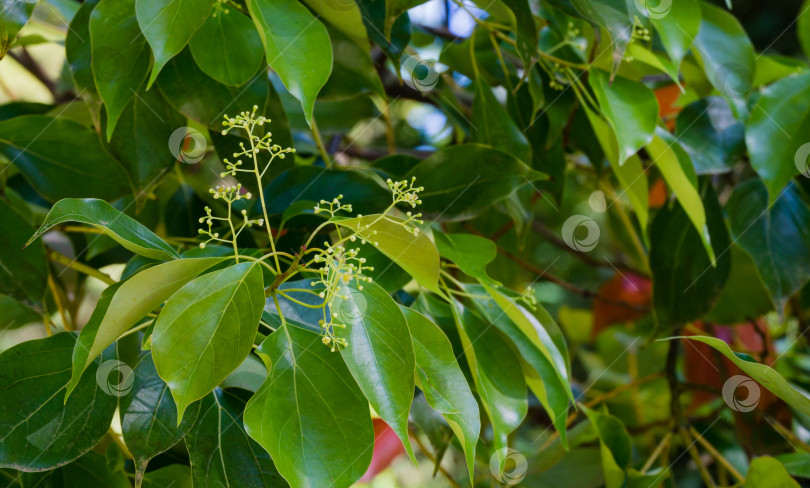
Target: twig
[[693, 452], [82, 268], [430, 456], [714, 452], [657, 452]]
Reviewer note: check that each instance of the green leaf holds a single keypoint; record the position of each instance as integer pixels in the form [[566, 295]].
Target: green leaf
[[297, 47], [744, 295], [23, 272], [92, 469], [443, 383], [677, 27], [379, 354], [678, 172], [803, 28], [149, 417], [414, 253], [344, 16], [613, 16], [776, 131], [496, 370], [775, 234], [708, 131], [353, 71], [120, 56], [767, 472], [526, 30], [206, 330], [14, 314], [727, 54], [227, 47], [309, 414], [37, 430], [123, 304], [124, 229], [469, 252], [630, 108], [13, 16], [61, 158], [221, 451], [79, 57], [173, 475], [685, 281], [493, 126], [168, 25], [763, 374], [461, 181]]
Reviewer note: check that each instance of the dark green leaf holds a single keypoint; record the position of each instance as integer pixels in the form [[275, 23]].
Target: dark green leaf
[[174, 476], [14, 314], [493, 126], [206, 330], [227, 47], [613, 16], [309, 414], [39, 431], [23, 272], [744, 295], [708, 131]]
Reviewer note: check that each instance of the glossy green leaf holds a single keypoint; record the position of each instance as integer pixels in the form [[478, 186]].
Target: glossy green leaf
[[296, 45], [23, 271], [767, 472], [461, 181], [764, 375], [709, 133], [206, 330], [168, 25], [248, 376], [123, 304], [726, 52], [630, 108], [493, 126], [61, 158], [227, 47], [379, 353], [613, 16], [677, 26], [416, 254], [124, 229], [776, 235], [469, 252], [120, 56], [38, 431], [220, 450], [677, 170], [443, 383], [685, 281], [309, 414], [149, 417], [92, 469], [776, 132], [79, 57], [14, 314], [13, 16], [344, 15], [497, 372]]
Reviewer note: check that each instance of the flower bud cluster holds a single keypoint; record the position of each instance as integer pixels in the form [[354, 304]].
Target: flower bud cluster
[[333, 207]]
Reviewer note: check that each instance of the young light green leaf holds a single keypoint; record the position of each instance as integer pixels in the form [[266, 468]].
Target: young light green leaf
[[124, 229], [443, 383], [416, 254], [120, 56], [297, 47], [309, 414], [168, 25], [631, 109], [221, 452], [469, 252], [206, 330], [123, 304], [61, 158], [764, 375], [379, 354], [227, 47], [775, 134], [149, 417], [37, 430], [767, 472]]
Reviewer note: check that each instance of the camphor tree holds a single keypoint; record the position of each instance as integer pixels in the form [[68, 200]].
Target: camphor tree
[[261, 243]]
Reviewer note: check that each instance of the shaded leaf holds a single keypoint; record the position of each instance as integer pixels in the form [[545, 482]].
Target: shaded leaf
[[23, 272], [227, 47], [708, 131], [469, 252]]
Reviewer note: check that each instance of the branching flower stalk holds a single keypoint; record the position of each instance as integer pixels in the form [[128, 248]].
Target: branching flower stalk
[[337, 264]]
